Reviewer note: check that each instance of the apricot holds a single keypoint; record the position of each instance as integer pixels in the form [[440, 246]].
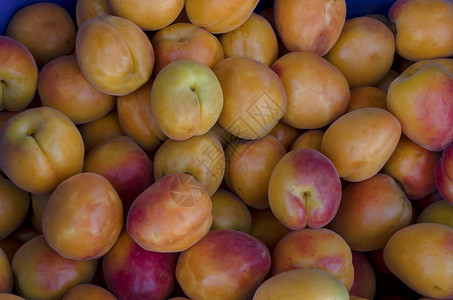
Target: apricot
[[6, 274], [219, 16], [229, 212], [89, 292], [326, 19], [114, 54], [83, 217], [286, 134], [319, 248], [309, 139], [438, 212], [370, 212], [359, 152], [363, 42], [303, 284], [46, 29], [367, 96], [305, 76], [421, 255], [86, 9], [255, 38]]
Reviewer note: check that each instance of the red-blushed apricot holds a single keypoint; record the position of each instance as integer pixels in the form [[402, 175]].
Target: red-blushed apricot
[[431, 20], [86, 9], [302, 284], [114, 54], [443, 174], [367, 96], [137, 120], [18, 75], [219, 16], [304, 189], [363, 42], [83, 217], [315, 248], [248, 169], [267, 228], [423, 85], [200, 156], [88, 291], [254, 97], [132, 272], [305, 76], [229, 212], [40, 148], [180, 41], [171, 215], [370, 212], [14, 206], [359, 152], [124, 164], [255, 38], [186, 99], [309, 139], [438, 212], [41, 273], [364, 284], [413, 167], [326, 19], [225, 264], [6, 274], [148, 15], [421, 255], [46, 29], [101, 129], [61, 85], [286, 134]]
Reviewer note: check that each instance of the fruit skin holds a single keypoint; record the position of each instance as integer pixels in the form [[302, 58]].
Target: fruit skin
[[148, 15], [423, 28], [185, 41], [367, 96], [219, 16], [359, 152], [423, 85], [41, 273], [255, 38], [309, 139], [136, 118], [229, 212], [327, 18], [438, 212], [40, 148], [413, 167], [421, 255], [186, 99], [83, 217], [249, 166], [319, 248], [200, 156], [310, 105], [363, 41], [304, 189], [132, 272], [303, 284], [46, 29], [254, 97], [18, 75], [86, 9], [370, 212], [114, 54], [443, 173], [61, 85], [364, 284], [124, 164], [6, 274], [225, 264], [171, 215], [14, 204], [88, 291]]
